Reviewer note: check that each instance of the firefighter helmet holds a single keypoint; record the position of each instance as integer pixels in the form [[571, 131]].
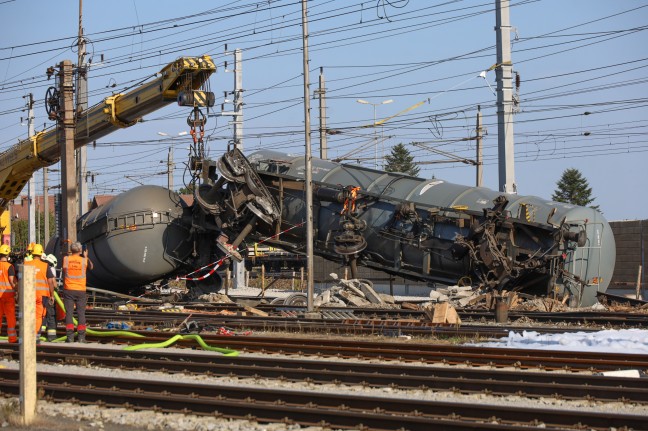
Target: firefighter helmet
[[50, 258], [38, 250]]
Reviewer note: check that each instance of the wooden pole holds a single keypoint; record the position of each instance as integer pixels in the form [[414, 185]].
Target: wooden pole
[[639, 283], [228, 278], [263, 278], [301, 278], [27, 294]]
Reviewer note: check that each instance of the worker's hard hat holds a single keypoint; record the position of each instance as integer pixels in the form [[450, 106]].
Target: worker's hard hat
[[37, 250], [50, 258], [30, 247], [5, 249]]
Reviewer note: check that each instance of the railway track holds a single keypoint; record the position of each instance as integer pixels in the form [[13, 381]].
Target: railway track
[[401, 352], [395, 376], [359, 322], [336, 410], [604, 318]]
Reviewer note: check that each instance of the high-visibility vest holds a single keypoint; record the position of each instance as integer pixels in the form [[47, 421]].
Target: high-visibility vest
[[42, 287], [75, 272], [6, 289]]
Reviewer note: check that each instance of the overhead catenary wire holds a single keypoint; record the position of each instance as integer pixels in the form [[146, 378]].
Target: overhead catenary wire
[[408, 123]]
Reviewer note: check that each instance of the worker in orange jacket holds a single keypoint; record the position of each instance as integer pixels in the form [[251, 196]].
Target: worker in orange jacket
[[8, 293], [45, 282], [74, 271], [49, 321]]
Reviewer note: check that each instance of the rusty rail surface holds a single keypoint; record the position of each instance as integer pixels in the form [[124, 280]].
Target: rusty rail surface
[[400, 376], [337, 410]]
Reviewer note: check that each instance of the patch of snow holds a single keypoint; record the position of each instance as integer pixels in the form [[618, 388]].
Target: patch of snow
[[607, 341]]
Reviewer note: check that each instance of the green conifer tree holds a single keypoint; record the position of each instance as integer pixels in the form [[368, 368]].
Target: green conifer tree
[[573, 188], [400, 160]]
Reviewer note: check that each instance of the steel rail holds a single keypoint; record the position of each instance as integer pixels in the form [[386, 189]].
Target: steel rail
[[402, 351], [496, 382], [431, 353], [310, 407]]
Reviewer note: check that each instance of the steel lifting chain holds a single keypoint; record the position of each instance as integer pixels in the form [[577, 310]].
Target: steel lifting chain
[[196, 121]]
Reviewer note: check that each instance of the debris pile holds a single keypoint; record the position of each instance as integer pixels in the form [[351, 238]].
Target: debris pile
[[540, 304], [458, 296], [467, 297], [354, 293], [218, 298]]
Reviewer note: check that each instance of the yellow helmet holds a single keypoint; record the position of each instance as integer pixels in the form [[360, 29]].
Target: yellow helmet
[[30, 247], [37, 250], [5, 249]]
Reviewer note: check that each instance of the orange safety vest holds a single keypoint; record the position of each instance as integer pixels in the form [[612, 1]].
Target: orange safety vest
[[42, 287], [6, 289], [75, 272]]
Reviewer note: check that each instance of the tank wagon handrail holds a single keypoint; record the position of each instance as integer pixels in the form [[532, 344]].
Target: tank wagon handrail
[[588, 248]]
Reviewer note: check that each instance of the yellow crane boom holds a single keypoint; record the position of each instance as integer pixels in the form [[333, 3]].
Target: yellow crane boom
[[18, 163]]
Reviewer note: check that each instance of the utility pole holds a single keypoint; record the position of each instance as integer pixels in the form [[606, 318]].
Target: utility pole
[[66, 143], [45, 207], [503, 73], [321, 92], [237, 101], [170, 169], [237, 122], [31, 186], [479, 163], [239, 267], [38, 238], [81, 105], [308, 186]]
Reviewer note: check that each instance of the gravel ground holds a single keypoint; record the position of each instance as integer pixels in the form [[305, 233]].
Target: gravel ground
[[65, 417]]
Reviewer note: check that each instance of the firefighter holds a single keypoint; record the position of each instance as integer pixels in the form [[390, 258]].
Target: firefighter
[[45, 282], [49, 323], [74, 289], [8, 293], [28, 253]]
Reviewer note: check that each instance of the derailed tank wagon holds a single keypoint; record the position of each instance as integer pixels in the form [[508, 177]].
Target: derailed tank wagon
[[421, 229], [445, 233]]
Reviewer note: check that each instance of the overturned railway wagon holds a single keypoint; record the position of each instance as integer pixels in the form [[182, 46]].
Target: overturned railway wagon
[[443, 232], [419, 228]]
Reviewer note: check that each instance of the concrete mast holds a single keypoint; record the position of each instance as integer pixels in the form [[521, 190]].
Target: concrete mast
[[503, 73], [66, 143], [81, 105], [479, 162], [321, 93], [31, 186], [308, 183]]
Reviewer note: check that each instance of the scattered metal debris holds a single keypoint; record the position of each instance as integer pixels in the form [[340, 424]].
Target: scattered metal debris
[[356, 293]]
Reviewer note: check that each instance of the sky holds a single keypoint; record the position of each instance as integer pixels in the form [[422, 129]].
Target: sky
[[583, 94]]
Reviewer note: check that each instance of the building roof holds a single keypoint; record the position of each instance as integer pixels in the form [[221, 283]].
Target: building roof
[[20, 207], [100, 200]]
